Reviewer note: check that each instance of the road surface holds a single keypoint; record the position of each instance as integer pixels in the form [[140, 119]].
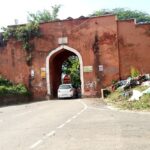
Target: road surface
[[82, 124]]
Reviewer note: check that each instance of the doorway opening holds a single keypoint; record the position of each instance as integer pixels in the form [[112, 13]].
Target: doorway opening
[[57, 66]]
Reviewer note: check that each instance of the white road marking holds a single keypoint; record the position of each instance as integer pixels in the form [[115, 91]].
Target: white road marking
[[69, 120], [78, 113], [74, 117], [51, 133], [82, 110], [61, 126], [85, 106], [36, 144], [1, 120], [97, 108]]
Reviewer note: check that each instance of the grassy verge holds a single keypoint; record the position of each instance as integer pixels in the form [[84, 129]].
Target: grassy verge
[[118, 99]]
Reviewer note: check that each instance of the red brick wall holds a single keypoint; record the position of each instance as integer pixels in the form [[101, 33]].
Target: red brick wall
[[103, 32], [81, 36], [134, 47], [12, 63]]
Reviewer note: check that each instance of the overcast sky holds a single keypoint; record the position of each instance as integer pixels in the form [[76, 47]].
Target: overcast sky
[[18, 9]]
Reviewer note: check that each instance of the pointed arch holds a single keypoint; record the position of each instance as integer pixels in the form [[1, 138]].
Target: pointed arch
[[48, 70]]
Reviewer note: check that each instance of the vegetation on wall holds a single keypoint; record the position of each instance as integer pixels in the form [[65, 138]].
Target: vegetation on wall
[[8, 88], [134, 72], [123, 14], [23, 33]]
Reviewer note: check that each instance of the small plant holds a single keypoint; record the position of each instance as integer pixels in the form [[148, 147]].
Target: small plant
[[7, 88], [134, 72]]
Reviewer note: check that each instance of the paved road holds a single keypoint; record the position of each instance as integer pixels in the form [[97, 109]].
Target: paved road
[[83, 124]]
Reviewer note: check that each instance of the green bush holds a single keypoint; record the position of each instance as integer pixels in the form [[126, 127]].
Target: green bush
[[134, 72], [13, 90], [7, 88], [21, 89], [3, 89], [5, 82]]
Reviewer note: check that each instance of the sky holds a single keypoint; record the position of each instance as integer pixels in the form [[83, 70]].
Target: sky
[[18, 9]]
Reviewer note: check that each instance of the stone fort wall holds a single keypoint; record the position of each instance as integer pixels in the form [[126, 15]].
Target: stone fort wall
[[109, 46]]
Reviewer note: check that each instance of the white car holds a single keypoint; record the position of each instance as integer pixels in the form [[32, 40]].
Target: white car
[[66, 91]]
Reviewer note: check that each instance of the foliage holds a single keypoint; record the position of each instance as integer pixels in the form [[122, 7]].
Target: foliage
[[134, 72], [114, 96], [114, 81], [23, 33], [7, 88], [21, 89], [141, 88], [142, 104], [117, 99], [45, 15], [13, 90], [72, 67], [5, 82], [123, 14]]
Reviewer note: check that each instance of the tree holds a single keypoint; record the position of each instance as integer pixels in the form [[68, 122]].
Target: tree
[[45, 15], [123, 14], [72, 67]]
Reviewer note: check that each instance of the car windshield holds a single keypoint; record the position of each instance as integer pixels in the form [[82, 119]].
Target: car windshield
[[65, 86]]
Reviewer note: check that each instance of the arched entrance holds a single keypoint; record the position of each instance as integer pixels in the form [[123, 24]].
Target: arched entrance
[[53, 68]]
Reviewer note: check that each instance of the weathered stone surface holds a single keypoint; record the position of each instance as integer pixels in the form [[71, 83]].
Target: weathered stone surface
[[117, 45]]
